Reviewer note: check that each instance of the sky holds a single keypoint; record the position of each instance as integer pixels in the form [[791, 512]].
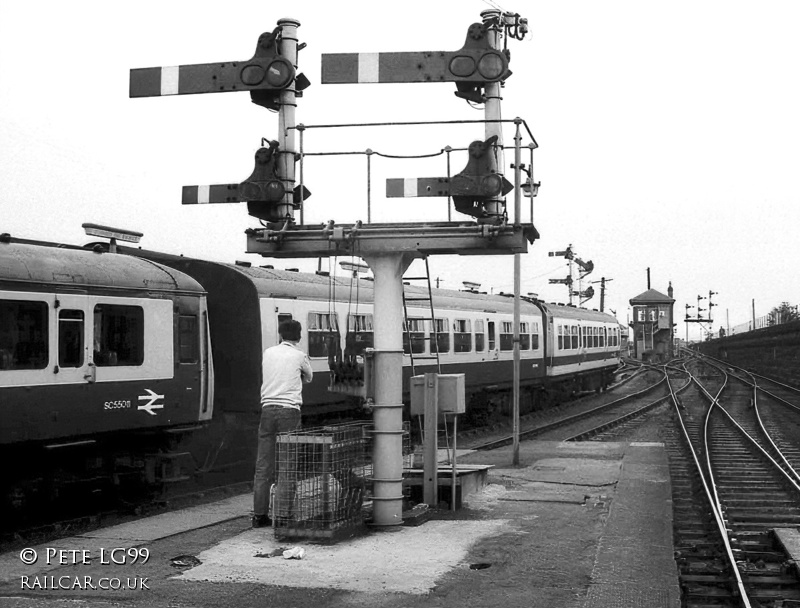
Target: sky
[[667, 135]]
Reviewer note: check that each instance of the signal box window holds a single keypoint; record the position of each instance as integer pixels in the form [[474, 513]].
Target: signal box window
[[323, 334], [118, 335], [416, 329], [442, 335], [188, 339], [480, 336], [23, 335], [462, 336], [70, 338]]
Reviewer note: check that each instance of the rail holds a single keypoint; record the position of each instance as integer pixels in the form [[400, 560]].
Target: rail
[[712, 497]]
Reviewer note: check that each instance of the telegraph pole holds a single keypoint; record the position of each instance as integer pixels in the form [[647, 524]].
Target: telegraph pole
[[603, 282]]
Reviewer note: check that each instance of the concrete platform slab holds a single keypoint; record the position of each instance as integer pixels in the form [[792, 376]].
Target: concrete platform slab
[[576, 525], [407, 560], [131, 534], [635, 564]]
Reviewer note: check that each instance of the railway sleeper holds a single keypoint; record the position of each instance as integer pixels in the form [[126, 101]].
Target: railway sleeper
[[697, 591]]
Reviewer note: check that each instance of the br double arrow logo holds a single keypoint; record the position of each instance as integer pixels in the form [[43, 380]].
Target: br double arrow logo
[[151, 404]]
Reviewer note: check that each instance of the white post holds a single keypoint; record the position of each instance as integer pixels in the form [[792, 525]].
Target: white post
[[430, 466], [387, 452], [517, 281], [494, 207], [286, 119]]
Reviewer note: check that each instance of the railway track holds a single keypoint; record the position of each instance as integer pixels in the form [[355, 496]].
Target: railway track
[[731, 488], [626, 401], [734, 452]]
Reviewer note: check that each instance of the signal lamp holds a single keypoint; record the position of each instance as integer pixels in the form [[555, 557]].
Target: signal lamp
[[462, 66], [280, 73], [491, 66]]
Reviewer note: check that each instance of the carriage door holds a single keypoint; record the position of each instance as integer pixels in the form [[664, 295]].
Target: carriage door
[[71, 340], [492, 339]]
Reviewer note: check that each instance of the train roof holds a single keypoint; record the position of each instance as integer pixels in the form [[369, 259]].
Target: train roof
[[31, 262], [573, 312], [276, 283]]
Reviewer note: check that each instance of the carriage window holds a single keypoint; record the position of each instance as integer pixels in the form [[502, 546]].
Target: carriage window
[[442, 335], [23, 335], [359, 334], [462, 336], [70, 338], [323, 334], [416, 327], [118, 335], [535, 337], [586, 339], [492, 341], [574, 337], [602, 332], [560, 337], [188, 340], [506, 335], [524, 336], [480, 337]]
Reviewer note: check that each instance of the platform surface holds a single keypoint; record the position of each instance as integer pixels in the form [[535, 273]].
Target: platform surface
[[575, 525]]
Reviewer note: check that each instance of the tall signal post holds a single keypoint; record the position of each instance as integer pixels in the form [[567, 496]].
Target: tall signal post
[[271, 76], [585, 269]]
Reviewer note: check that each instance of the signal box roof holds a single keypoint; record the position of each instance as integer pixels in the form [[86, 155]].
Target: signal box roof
[[651, 296]]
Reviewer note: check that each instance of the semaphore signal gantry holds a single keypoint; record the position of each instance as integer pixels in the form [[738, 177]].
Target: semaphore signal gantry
[[700, 318], [273, 195]]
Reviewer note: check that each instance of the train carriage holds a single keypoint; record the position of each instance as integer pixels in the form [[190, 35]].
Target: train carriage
[[472, 333], [94, 343], [138, 367]]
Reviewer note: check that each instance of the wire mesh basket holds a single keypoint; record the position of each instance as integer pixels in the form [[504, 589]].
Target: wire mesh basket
[[323, 483]]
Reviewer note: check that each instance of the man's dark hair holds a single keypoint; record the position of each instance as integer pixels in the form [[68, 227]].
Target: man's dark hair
[[290, 330]]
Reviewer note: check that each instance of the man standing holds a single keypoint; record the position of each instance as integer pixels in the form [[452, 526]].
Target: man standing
[[284, 368]]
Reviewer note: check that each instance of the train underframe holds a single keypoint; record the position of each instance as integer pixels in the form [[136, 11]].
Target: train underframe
[[81, 475]]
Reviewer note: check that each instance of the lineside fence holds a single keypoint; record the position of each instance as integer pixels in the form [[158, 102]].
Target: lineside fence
[[779, 316]]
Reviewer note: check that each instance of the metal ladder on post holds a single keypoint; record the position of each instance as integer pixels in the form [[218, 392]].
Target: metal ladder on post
[[434, 345], [432, 336]]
